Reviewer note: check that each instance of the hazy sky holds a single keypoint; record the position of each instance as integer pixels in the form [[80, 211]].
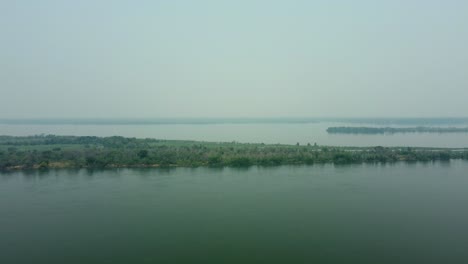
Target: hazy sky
[[233, 58]]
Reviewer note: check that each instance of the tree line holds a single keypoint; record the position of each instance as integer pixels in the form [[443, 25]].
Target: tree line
[[393, 130], [40, 152]]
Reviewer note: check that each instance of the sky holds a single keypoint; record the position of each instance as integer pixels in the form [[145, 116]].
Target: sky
[[243, 58]]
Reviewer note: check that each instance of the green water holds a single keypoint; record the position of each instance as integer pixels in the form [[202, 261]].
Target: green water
[[400, 213]]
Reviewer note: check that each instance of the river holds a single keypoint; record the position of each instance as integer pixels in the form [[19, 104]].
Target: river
[[269, 133], [394, 213]]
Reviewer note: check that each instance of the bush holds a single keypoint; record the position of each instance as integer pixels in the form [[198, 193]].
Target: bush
[[240, 162]]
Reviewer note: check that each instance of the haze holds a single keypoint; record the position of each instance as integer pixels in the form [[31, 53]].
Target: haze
[[233, 58]]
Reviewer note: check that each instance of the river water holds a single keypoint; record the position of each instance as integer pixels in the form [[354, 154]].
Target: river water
[[269, 133], [398, 213]]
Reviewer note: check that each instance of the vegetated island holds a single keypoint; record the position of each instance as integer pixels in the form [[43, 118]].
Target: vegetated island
[[50, 151], [394, 130]]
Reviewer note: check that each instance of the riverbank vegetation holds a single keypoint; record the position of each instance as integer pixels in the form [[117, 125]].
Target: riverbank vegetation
[[393, 130], [41, 152]]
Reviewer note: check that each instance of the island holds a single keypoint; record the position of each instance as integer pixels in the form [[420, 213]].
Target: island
[[394, 130], [51, 151]]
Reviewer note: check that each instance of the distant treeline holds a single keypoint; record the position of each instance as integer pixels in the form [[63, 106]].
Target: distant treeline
[[41, 152], [393, 130]]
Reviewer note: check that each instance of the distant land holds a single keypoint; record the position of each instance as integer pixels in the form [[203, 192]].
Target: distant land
[[394, 130], [259, 120], [43, 152]]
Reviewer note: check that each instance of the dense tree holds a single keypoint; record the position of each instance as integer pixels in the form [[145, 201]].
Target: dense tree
[[93, 152]]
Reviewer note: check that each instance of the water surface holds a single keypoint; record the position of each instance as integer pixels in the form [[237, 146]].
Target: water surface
[[398, 213], [269, 133]]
